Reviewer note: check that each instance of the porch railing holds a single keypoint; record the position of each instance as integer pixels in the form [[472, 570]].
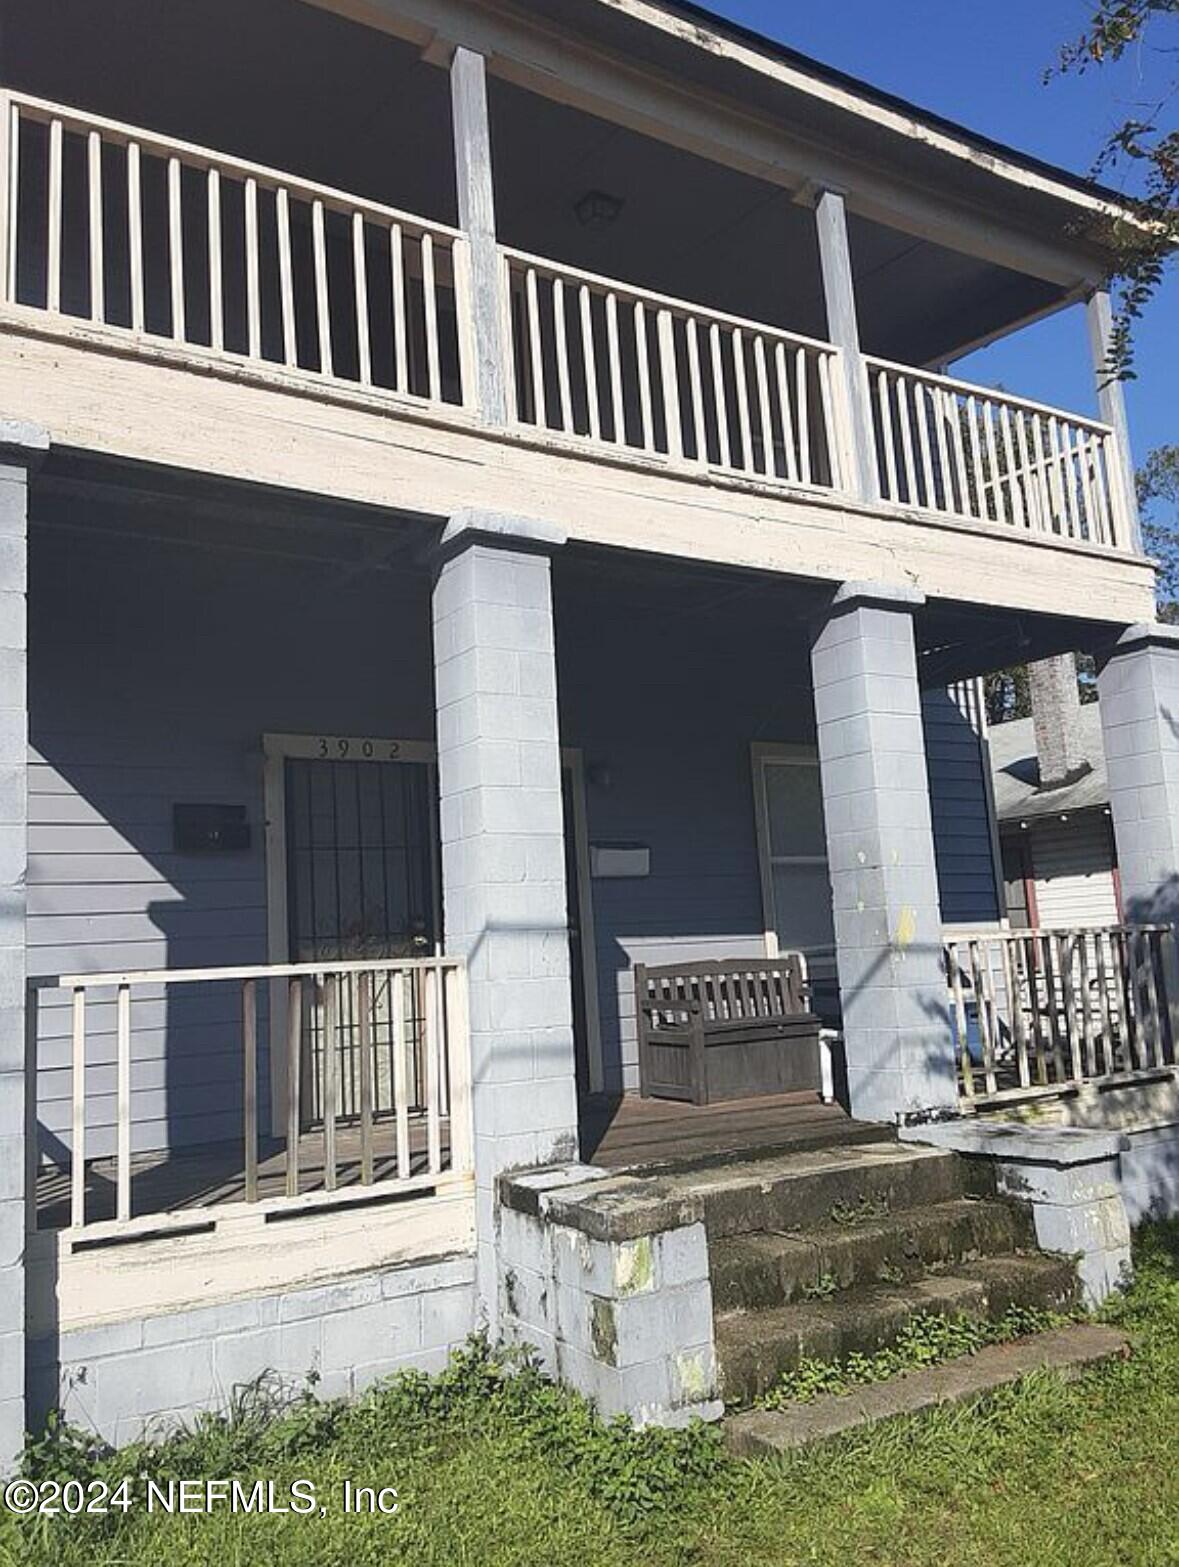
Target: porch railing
[[980, 455], [163, 243], [1049, 1009], [125, 229], [627, 368], [389, 1032]]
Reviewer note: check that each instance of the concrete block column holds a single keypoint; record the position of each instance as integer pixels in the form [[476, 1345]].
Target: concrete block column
[[900, 1057], [503, 847], [1139, 691], [21, 449]]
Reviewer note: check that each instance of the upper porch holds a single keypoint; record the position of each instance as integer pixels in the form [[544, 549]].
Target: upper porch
[[416, 266]]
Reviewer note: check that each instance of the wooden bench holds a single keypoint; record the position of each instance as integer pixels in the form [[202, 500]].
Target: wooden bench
[[730, 1029]]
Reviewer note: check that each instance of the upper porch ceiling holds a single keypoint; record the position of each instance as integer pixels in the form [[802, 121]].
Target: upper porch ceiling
[[308, 92]]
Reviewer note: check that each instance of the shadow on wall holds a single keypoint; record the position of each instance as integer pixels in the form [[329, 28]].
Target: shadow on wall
[[155, 669]]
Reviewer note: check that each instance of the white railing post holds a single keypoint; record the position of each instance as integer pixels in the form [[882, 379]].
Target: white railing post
[[458, 1050], [843, 330], [1112, 405], [9, 143], [32, 1117], [476, 205]]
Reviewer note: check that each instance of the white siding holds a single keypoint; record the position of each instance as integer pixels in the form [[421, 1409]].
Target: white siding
[[1073, 866]]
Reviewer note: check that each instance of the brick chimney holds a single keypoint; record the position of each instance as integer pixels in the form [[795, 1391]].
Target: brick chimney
[[1056, 715]]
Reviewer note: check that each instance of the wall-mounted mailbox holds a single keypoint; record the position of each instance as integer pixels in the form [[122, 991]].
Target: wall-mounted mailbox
[[619, 861], [210, 829]]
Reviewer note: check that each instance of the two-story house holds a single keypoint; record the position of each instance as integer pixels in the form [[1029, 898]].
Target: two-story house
[[475, 475]]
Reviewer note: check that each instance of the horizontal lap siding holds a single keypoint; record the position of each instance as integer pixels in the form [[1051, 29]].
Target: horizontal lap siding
[[958, 791], [154, 672], [665, 700], [668, 705], [1073, 866]]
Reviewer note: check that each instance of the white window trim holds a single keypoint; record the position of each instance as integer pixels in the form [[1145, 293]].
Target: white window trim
[[765, 754]]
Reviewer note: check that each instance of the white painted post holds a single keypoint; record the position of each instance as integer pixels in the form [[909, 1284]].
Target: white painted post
[[476, 205], [843, 330], [503, 851], [1111, 403], [22, 446]]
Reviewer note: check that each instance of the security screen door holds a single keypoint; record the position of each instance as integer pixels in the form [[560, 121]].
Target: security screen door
[[362, 884]]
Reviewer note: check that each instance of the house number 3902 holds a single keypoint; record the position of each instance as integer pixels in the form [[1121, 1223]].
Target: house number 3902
[[366, 750]]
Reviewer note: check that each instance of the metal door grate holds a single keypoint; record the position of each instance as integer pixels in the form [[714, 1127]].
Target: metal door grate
[[362, 884]]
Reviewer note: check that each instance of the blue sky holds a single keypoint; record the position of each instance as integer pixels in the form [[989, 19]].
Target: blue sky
[[983, 66]]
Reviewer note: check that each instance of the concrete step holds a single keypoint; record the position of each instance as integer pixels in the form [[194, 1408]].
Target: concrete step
[[1068, 1351], [755, 1348], [763, 1270], [777, 1193], [795, 1191]]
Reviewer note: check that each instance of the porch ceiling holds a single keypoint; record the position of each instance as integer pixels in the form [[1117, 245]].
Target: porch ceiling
[[706, 233], [695, 611], [361, 110]]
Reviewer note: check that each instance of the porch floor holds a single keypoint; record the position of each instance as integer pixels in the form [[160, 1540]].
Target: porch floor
[[213, 1174], [632, 1131]]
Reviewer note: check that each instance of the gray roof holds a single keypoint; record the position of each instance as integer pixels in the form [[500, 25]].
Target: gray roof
[[1016, 770]]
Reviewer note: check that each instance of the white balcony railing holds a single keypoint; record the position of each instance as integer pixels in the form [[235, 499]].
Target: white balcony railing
[[372, 1095], [166, 242], [634, 370], [963, 451], [160, 243], [1044, 1010]]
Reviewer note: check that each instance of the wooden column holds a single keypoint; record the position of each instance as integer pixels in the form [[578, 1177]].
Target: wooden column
[[1111, 404], [476, 205], [843, 330]]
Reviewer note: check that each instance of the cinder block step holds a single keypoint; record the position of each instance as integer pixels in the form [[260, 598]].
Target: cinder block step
[[755, 1348], [1070, 1351], [762, 1270], [800, 1190]]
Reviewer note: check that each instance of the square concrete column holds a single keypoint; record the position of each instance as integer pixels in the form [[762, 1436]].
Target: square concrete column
[[21, 449], [503, 846], [1139, 692], [896, 1021]]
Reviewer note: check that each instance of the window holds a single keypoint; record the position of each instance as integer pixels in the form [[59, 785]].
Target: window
[[796, 887]]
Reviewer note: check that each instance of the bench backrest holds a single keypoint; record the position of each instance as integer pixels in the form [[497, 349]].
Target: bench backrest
[[727, 989]]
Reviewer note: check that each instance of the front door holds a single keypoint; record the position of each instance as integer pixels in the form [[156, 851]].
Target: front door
[[362, 883]]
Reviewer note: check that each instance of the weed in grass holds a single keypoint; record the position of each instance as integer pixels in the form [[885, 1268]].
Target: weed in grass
[[864, 1210], [823, 1288], [926, 1340], [496, 1469]]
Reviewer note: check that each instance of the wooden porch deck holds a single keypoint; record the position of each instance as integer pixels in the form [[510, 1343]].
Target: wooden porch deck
[[614, 1133], [212, 1175], [633, 1131]]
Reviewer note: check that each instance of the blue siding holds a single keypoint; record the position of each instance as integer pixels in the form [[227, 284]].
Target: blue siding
[[154, 672], [958, 784]]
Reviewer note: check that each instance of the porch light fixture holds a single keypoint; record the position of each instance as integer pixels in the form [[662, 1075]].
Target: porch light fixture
[[597, 209]]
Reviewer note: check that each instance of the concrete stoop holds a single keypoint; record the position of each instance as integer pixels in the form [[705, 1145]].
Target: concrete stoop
[[669, 1295], [836, 1260], [1069, 1352]]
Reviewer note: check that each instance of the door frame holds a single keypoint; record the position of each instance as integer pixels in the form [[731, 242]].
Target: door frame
[[277, 750], [573, 762]]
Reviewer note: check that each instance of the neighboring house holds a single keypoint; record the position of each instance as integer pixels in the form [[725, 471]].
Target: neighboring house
[[1056, 831], [489, 519]]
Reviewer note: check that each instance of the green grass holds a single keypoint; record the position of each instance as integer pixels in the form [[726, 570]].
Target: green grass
[[505, 1471], [927, 1340]]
